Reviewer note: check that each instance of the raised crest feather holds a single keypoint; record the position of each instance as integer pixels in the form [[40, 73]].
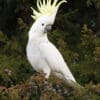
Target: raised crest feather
[[46, 7]]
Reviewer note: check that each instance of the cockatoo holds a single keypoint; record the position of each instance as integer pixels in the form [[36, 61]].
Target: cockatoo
[[41, 53]]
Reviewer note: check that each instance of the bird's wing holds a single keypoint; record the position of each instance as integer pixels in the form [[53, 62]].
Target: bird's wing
[[54, 59]]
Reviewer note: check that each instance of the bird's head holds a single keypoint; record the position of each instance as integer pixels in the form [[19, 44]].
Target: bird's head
[[45, 14]]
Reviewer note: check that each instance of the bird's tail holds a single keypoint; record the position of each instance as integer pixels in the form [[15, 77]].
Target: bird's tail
[[70, 82], [75, 85]]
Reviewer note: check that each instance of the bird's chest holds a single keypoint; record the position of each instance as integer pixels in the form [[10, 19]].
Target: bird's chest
[[34, 54]]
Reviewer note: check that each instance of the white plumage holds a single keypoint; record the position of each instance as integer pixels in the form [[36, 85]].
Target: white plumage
[[42, 54]]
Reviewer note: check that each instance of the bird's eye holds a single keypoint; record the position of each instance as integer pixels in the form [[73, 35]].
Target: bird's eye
[[42, 24]]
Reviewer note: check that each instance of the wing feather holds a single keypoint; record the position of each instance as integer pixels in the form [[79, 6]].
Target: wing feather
[[54, 59]]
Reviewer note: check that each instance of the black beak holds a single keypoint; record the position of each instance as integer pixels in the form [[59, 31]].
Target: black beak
[[47, 28]]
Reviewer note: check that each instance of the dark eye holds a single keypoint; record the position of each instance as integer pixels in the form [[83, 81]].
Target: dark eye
[[42, 24]]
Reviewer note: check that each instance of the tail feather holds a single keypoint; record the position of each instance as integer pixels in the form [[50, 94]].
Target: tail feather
[[76, 85], [70, 82]]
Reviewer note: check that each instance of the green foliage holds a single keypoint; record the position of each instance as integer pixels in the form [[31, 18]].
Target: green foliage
[[95, 2], [87, 43], [14, 67]]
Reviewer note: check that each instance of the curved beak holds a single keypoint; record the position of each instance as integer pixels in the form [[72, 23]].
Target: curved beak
[[47, 28]]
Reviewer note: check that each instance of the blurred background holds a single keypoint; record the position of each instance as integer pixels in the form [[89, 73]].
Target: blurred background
[[76, 33]]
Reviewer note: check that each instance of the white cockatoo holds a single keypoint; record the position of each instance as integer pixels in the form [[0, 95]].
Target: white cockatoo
[[41, 53]]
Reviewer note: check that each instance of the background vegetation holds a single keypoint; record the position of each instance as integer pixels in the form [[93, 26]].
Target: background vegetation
[[76, 33]]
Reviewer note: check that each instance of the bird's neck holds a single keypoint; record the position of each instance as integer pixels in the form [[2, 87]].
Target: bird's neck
[[36, 36]]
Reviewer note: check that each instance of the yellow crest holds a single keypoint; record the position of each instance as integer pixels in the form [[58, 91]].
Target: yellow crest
[[46, 7]]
